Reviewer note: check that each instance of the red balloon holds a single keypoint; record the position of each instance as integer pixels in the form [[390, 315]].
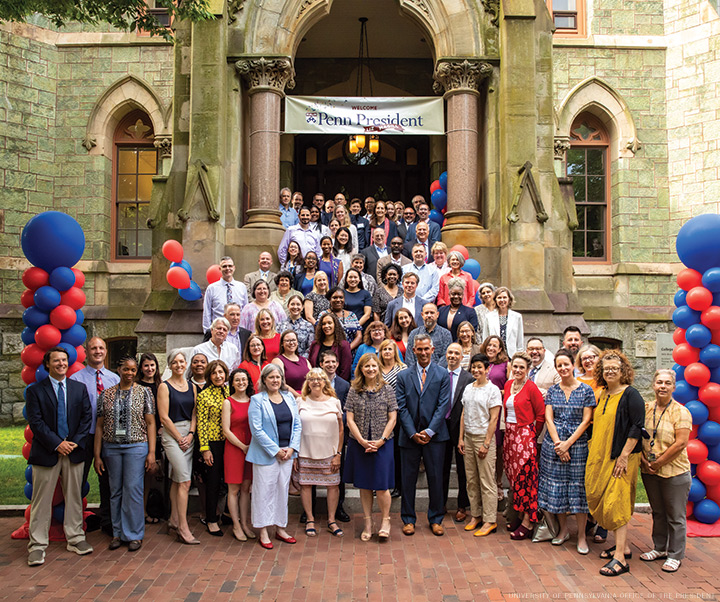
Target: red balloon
[[63, 317], [34, 278], [178, 278], [435, 186], [28, 375], [27, 513], [28, 434], [715, 339], [713, 493], [709, 394], [679, 336], [694, 431], [697, 451], [699, 298], [58, 494], [444, 222], [27, 298], [74, 297], [689, 509], [47, 336], [697, 375], [26, 450], [685, 354], [444, 211], [463, 251], [688, 279], [79, 278], [709, 473], [714, 416], [80, 354], [711, 317], [173, 251], [32, 355], [213, 274], [76, 367]]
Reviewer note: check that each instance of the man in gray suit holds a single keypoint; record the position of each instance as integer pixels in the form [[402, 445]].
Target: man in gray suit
[[263, 273]]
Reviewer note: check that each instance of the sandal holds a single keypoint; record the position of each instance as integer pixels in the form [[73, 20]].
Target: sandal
[[522, 532], [652, 555], [367, 535], [384, 532], [151, 520], [337, 531], [610, 569], [671, 565], [310, 531], [609, 553], [600, 535]]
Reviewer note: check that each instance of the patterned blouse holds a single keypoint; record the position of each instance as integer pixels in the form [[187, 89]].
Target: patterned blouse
[[124, 412], [305, 333], [370, 410], [350, 324], [391, 377], [381, 298], [209, 415], [320, 303]]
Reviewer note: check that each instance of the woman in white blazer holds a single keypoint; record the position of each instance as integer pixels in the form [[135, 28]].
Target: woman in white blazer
[[275, 428], [504, 322]]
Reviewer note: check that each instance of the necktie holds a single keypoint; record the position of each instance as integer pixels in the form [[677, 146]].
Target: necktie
[[422, 380], [62, 424], [229, 293], [99, 387], [533, 372], [451, 394]]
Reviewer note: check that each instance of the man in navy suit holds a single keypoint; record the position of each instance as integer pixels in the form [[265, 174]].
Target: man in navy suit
[[423, 397], [423, 216], [59, 414], [409, 300]]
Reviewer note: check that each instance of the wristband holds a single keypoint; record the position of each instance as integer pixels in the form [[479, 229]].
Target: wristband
[[191, 432]]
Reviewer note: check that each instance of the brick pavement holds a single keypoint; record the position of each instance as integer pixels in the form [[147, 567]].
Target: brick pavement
[[422, 567]]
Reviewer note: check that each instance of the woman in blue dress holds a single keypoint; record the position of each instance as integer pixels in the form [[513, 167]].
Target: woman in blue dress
[[568, 412]]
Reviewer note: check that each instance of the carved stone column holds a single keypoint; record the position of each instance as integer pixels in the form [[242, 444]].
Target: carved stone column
[[267, 78], [460, 82], [561, 145]]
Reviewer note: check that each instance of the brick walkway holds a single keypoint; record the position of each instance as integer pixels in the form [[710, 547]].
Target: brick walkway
[[423, 567]]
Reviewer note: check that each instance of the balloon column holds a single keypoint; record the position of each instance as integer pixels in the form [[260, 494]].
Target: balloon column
[[697, 359], [53, 242], [438, 199], [179, 275]]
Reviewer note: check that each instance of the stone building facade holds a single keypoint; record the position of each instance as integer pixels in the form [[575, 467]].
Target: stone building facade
[[634, 82]]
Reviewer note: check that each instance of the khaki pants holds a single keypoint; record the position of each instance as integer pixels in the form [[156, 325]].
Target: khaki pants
[[44, 480], [480, 473]]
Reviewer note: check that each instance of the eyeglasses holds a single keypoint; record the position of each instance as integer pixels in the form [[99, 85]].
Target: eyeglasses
[[611, 369], [586, 358], [315, 379]]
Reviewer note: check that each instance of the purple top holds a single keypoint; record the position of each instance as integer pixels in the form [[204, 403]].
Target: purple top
[[497, 375], [295, 372]]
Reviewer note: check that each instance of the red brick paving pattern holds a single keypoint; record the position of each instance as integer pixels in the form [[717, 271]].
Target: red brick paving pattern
[[420, 568]]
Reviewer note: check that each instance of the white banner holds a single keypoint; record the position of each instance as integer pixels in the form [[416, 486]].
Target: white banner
[[364, 115]]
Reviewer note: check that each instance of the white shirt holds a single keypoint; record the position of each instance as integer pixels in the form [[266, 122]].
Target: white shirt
[[477, 402], [216, 299], [381, 252], [409, 304], [510, 417], [229, 353]]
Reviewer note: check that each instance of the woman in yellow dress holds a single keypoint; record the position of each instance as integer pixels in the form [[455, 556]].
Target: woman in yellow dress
[[614, 455]]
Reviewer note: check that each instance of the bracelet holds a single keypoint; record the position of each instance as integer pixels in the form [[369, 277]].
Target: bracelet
[[191, 432]]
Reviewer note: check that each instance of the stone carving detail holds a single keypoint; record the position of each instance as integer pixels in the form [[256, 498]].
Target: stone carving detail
[[163, 142], [89, 142], [233, 8], [303, 7], [526, 181], [460, 75], [276, 73], [422, 6], [561, 146], [633, 145], [492, 7]]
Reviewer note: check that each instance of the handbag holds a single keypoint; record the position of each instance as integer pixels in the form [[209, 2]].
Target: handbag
[[547, 528], [294, 488]]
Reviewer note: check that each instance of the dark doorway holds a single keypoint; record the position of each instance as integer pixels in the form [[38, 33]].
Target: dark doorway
[[398, 172]]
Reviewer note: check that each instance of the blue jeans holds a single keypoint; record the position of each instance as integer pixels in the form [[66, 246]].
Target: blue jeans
[[125, 464]]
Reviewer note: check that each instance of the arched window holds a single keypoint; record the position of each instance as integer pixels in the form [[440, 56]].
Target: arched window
[[135, 163], [587, 164]]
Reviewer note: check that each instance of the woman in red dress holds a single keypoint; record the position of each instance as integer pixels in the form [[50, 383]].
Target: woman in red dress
[[254, 358], [238, 472]]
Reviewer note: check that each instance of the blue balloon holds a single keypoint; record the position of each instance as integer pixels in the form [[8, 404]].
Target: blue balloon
[[697, 490], [80, 317], [51, 240], [85, 488], [28, 334], [443, 180], [698, 335], [46, 298], [34, 319], [716, 299], [713, 451], [698, 411], [184, 265], [684, 392], [710, 356], [679, 372], [711, 280], [75, 335], [41, 373], [439, 199], [698, 243], [437, 217], [472, 267], [62, 278], [679, 298], [58, 512], [72, 352], [25, 412], [191, 293], [28, 473], [478, 300], [28, 490], [715, 375], [693, 470], [707, 511], [684, 317]]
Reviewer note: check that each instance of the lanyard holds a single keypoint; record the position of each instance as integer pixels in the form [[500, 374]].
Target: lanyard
[[656, 424]]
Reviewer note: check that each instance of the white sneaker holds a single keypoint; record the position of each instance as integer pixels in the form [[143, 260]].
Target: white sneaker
[[81, 547], [36, 558]]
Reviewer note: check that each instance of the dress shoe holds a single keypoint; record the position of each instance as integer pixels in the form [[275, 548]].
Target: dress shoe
[[483, 532], [437, 529], [341, 515], [187, 542], [408, 529], [460, 515], [114, 544], [558, 541], [217, 533], [289, 539], [473, 524], [267, 546], [303, 518], [395, 493], [135, 545]]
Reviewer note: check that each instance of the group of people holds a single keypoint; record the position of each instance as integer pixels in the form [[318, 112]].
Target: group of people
[[361, 364]]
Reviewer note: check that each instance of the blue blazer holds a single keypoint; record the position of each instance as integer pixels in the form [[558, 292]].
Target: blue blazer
[[342, 388], [397, 303], [420, 409], [263, 428], [435, 233], [463, 314], [42, 416]]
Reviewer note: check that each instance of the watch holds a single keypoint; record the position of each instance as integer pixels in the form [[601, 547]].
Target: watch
[[385, 439]]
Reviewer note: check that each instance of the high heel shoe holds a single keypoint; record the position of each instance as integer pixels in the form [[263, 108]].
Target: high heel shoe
[[367, 535], [187, 542], [384, 532], [217, 533]]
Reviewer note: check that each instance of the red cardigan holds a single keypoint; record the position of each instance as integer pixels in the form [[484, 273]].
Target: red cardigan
[[529, 405]]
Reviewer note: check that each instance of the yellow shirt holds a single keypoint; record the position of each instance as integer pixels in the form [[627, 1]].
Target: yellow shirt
[[676, 416], [209, 415]]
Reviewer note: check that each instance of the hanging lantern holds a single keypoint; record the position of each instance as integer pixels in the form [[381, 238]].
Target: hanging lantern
[[353, 145], [374, 145]]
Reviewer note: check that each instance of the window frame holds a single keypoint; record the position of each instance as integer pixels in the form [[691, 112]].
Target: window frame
[[580, 20]]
